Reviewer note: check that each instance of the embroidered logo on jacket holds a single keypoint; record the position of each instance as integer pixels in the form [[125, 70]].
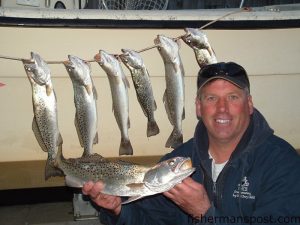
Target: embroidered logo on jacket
[[242, 190]]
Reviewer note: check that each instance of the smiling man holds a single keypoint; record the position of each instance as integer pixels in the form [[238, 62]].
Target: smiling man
[[244, 173]]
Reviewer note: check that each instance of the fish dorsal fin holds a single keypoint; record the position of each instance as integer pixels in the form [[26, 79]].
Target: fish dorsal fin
[[154, 105], [131, 199], [166, 103], [122, 162], [95, 92]]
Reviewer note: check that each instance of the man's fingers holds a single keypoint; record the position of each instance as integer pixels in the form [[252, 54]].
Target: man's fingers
[[87, 187], [96, 190]]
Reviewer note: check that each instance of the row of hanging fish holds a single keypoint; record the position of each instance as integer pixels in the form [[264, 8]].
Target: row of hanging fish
[[45, 122]]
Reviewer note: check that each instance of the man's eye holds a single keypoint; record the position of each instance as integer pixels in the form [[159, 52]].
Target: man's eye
[[233, 97], [211, 98]]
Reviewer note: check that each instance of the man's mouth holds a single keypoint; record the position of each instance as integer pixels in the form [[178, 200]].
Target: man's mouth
[[223, 121]]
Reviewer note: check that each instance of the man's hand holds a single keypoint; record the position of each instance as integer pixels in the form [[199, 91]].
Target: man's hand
[[190, 196], [109, 202]]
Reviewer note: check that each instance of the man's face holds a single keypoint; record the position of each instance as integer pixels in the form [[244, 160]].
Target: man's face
[[225, 110]]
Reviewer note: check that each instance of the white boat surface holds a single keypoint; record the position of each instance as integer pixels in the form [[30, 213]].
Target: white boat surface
[[264, 40]]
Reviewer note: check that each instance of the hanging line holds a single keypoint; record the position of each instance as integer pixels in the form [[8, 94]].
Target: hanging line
[[245, 9]]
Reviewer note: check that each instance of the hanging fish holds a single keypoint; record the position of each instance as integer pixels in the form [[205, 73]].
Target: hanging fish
[[198, 41], [174, 93], [85, 97], [45, 123], [119, 90], [143, 88]]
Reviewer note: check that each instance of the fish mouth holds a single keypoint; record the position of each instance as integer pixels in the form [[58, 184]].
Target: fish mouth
[[157, 40], [98, 58], [68, 63]]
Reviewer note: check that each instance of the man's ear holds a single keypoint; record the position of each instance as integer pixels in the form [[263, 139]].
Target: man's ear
[[198, 107], [250, 104]]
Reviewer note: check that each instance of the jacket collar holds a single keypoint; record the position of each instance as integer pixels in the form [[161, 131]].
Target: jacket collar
[[257, 132]]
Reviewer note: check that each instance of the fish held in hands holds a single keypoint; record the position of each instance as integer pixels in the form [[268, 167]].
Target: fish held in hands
[[125, 178]]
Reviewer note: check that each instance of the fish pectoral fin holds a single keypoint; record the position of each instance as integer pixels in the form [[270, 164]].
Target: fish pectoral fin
[[135, 185], [89, 89], [78, 130], [38, 135], [96, 138], [210, 51], [49, 89], [131, 199]]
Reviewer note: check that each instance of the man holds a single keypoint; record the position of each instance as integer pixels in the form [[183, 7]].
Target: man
[[244, 173]]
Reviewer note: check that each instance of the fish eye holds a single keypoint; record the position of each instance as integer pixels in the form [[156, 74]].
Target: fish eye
[[171, 163]]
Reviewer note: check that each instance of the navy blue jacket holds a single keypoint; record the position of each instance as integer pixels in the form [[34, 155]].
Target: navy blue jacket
[[260, 184]]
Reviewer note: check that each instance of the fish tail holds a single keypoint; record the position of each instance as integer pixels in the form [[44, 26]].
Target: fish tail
[[86, 153], [175, 139], [152, 128], [51, 170], [125, 147]]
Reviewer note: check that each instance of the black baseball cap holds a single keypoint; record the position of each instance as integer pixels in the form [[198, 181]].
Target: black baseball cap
[[229, 71]]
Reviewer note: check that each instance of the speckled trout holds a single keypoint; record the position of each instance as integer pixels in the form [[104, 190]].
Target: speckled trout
[[119, 90], [85, 96], [143, 88], [45, 123], [124, 178], [198, 41], [174, 93]]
